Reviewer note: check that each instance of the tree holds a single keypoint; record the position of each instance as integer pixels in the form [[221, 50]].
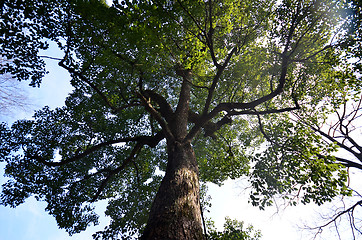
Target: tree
[[333, 121], [168, 94], [234, 229], [335, 126], [342, 128], [12, 95]]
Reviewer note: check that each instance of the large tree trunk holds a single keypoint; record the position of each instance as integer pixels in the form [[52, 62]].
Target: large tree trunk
[[175, 213]]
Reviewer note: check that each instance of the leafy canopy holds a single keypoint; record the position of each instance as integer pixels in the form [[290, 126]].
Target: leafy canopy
[[251, 62]]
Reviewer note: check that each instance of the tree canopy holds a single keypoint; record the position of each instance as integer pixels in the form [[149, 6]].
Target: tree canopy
[[168, 94]]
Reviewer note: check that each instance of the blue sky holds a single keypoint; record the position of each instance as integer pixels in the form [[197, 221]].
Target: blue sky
[[29, 221]]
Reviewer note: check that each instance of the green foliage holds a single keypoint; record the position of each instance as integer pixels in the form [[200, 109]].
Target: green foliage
[[25, 28], [296, 166], [227, 154], [233, 230], [250, 63], [351, 42]]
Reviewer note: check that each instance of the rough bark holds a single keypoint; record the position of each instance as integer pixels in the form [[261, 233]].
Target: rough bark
[[175, 213]]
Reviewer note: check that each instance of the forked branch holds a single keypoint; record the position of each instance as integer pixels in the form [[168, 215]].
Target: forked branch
[[117, 170], [349, 211]]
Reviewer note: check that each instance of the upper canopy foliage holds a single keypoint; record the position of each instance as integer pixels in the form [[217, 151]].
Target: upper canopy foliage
[[250, 62]]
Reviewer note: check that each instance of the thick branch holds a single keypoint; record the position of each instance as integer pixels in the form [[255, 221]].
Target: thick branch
[[348, 163], [330, 138], [179, 125], [156, 115], [165, 108], [210, 127], [209, 131], [151, 141], [251, 105]]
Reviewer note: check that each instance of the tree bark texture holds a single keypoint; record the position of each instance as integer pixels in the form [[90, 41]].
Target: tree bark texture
[[175, 213]]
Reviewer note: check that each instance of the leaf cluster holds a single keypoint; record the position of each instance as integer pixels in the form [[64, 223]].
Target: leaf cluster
[[249, 63], [233, 229], [296, 166]]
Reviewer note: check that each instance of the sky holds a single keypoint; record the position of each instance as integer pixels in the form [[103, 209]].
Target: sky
[[29, 221]]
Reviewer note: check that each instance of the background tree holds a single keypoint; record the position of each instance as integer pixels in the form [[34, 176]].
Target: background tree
[[168, 94], [13, 96], [342, 128], [233, 229]]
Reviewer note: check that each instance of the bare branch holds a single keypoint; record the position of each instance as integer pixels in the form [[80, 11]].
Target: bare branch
[[338, 215], [268, 111], [52, 58], [332, 139]]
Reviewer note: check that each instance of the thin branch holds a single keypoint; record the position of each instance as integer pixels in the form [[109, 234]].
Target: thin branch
[[354, 224], [132, 104], [190, 15], [269, 111], [151, 141], [197, 86], [88, 176], [216, 80], [112, 173], [137, 172], [340, 214], [305, 32], [86, 80], [332, 139], [314, 54], [355, 111], [203, 220], [209, 37], [132, 63], [336, 227], [52, 58]]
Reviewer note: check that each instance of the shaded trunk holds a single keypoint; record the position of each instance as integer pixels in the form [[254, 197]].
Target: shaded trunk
[[175, 213]]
